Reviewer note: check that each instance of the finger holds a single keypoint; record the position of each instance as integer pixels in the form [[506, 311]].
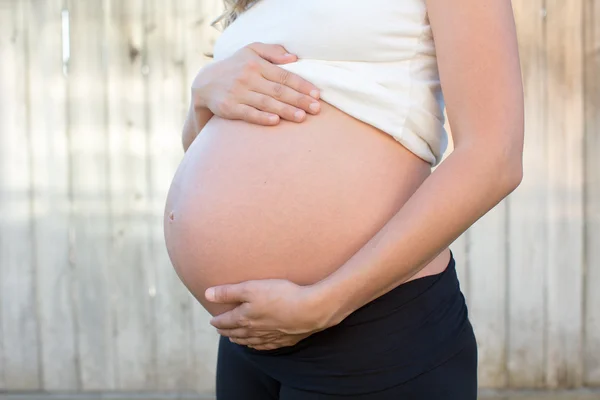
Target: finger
[[271, 105], [284, 77], [268, 346], [273, 53], [233, 319], [241, 333], [236, 293], [252, 341], [251, 115], [286, 95]]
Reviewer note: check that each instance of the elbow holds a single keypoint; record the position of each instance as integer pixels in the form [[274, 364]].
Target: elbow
[[500, 161], [509, 166], [514, 174], [514, 161]]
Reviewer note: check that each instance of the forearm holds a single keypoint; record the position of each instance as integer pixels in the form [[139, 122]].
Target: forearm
[[469, 183], [196, 119]]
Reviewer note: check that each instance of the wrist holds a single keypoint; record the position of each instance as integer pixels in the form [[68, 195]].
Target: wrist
[[327, 307], [200, 86]]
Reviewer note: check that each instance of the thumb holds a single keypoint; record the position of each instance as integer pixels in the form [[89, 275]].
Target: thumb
[[237, 293], [274, 53]]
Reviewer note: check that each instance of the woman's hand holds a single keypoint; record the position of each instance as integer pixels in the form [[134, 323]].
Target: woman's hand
[[248, 86], [272, 313]]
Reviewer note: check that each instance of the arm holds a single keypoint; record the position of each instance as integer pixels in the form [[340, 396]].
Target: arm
[[481, 80], [194, 122]]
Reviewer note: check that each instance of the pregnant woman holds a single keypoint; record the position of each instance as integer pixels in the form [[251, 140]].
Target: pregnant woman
[[305, 216]]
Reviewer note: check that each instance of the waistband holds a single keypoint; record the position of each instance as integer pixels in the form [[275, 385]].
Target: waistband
[[407, 331]]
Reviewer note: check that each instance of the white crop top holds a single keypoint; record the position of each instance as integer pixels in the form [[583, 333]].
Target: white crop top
[[374, 60]]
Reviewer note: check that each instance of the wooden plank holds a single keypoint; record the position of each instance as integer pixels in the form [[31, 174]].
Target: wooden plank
[[487, 294], [89, 177], [130, 251], [592, 191], [527, 255], [5, 49], [167, 110], [51, 195], [205, 346], [18, 304], [565, 132], [198, 39]]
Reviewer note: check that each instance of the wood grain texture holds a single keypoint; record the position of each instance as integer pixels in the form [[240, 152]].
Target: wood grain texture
[[6, 13], [565, 132], [50, 172], [167, 108], [527, 246], [487, 294], [592, 191], [129, 260], [197, 19], [88, 124], [19, 360]]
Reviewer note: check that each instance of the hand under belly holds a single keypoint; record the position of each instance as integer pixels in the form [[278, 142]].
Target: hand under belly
[[294, 201]]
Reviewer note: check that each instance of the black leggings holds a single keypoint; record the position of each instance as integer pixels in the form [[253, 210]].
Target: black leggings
[[414, 342]]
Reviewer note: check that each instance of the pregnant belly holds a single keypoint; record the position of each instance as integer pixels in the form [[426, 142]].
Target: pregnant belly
[[293, 201]]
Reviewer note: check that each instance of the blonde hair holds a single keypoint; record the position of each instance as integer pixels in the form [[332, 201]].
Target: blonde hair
[[233, 8]]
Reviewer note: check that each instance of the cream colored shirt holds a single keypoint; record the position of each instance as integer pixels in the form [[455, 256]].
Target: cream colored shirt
[[374, 60]]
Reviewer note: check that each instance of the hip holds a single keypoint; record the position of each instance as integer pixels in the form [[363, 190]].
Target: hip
[[410, 331]]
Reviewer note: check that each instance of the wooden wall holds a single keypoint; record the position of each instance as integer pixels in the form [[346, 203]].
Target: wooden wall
[[92, 98]]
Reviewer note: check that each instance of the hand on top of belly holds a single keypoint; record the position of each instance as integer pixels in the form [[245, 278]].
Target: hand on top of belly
[[272, 313], [248, 86]]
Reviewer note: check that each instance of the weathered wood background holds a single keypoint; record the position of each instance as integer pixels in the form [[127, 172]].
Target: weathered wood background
[[92, 98]]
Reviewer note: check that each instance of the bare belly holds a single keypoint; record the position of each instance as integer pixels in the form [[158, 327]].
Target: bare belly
[[294, 201]]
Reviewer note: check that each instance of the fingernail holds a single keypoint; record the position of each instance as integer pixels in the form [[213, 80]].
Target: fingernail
[[314, 94], [273, 118], [288, 55], [314, 107], [209, 294], [299, 115]]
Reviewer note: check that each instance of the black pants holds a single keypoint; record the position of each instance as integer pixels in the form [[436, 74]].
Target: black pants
[[414, 342]]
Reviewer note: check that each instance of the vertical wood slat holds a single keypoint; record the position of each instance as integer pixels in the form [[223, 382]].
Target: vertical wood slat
[[89, 179], [487, 294], [565, 192], [6, 44], [527, 256], [197, 19], [19, 360], [166, 115], [592, 200], [129, 259], [47, 93]]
